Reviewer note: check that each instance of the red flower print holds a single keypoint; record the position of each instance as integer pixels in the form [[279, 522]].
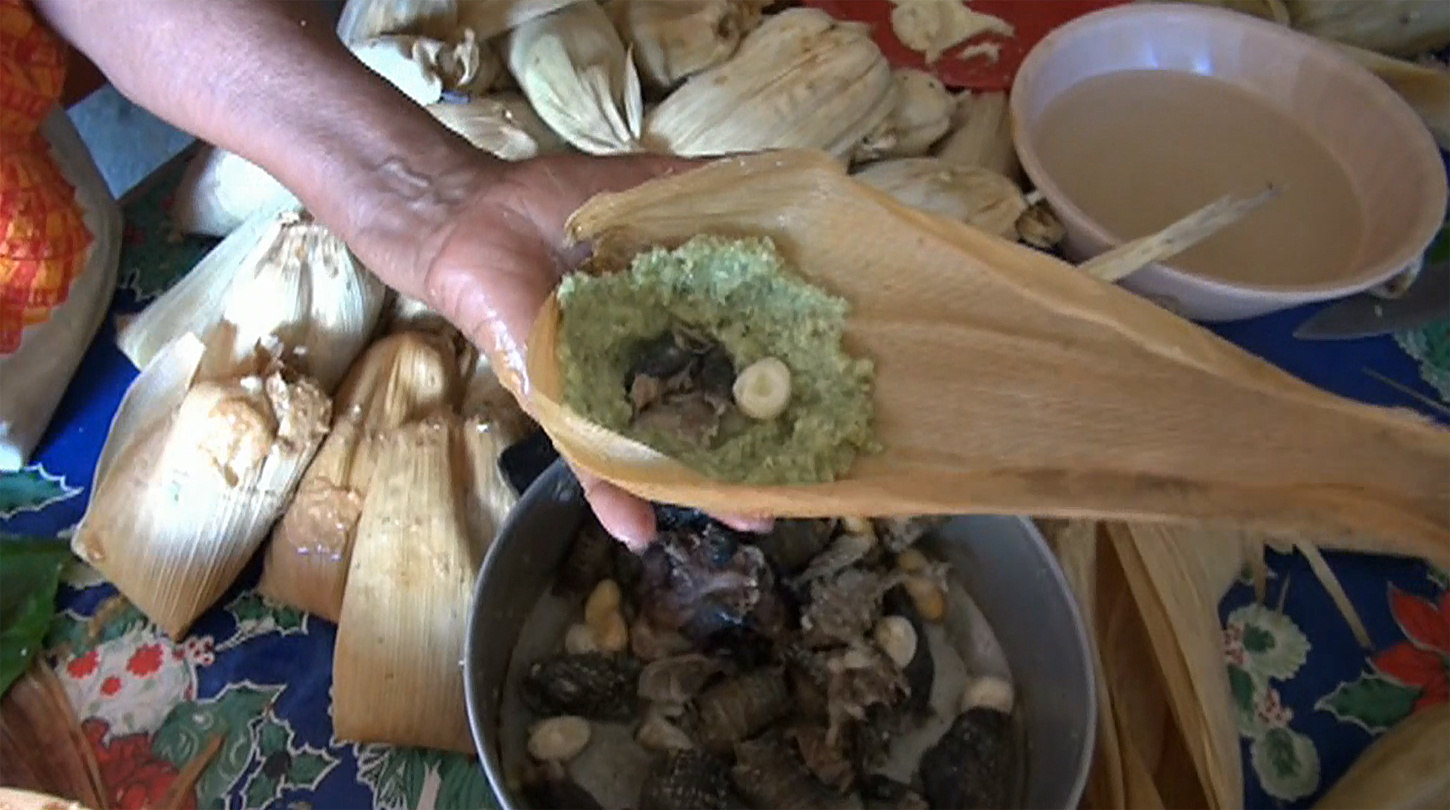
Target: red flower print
[[84, 666], [136, 777], [110, 686], [146, 660], [1423, 660]]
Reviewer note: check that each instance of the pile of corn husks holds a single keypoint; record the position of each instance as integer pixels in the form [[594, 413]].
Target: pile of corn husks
[[287, 400]]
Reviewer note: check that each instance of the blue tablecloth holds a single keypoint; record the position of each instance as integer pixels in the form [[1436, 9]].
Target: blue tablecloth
[[258, 675]]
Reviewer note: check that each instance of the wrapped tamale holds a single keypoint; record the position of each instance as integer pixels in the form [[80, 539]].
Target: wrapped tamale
[[800, 80], [366, 19], [489, 18], [967, 194], [504, 125], [423, 68], [397, 380], [677, 39], [1392, 27], [220, 189], [921, 114], [981, 134], [573, 68]]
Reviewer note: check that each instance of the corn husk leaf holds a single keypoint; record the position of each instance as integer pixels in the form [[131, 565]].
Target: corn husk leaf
[[489, 497], [947, 312], [1425, 87], [921, 114], [930, 27], [189, 497], [42, 746], [1392, 27], [1408, 767], [978, 197], [367, 19], [220, 189], [489, 18], [397, 380], [677, 39], [800, 80], [396, 676], [981, 135], [281, 278], [503, 125], [576, 73], [424, 68]]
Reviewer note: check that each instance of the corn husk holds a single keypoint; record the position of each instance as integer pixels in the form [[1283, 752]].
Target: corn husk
[[1425, 87], [930, 27], [486, 399], [423, 68], [1199, 429], [397, 380], [489, 18], [220, 189], [576, 73], [182, 502], [1392, 27], [1407, 768], [967, 194], [800, 80], [280, 278], [1039, 227], [981, 135], [677, 39], [366, 19], [489, 497], [42, 746], [921, 114], [503, 125], [396, 674]]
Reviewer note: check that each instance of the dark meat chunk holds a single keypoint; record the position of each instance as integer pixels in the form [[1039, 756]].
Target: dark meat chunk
[[879, 792], [598, 686], [844, 608], [769, 775], [680, 384], [701, 581], [972, 765], [590, 559], [678, 678], [829, 760], [792, 544], [735, 709], [686, 780]]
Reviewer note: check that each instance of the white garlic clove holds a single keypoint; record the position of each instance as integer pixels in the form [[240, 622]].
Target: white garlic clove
[[989, 692], [579, 639], [558, 738], [762, 390], [897, 638], [657, 733]]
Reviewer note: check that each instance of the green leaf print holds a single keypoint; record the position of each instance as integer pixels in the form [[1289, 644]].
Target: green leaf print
[[463, 785], [1241, 686], [190, 726], [1287, 763], [1373, 702], [308, 768], [31, 489], [1274, 646], [261, 790]]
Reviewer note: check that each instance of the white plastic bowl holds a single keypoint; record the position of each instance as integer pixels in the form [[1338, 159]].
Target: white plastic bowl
[[1391, 159]]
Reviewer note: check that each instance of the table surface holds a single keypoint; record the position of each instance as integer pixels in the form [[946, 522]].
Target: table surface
[[258, 675]]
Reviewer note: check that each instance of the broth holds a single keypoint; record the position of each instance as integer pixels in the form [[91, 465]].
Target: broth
[[1139, 149]]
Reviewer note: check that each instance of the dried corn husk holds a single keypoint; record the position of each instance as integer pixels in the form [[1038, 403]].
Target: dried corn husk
[[42, 746], [1393, 27], [575, 71], [981, 134], [800, 80], [947, 313], [930, 27], [366, 19], [220, 190], [1425, 87], [489, 497], [396, 677], [488, 18], [185, 500], [1406, 768], [964, 193], [921, 114], [397, 380], [1039, 227], [423, 68], [282, 278], [676, 39], [503, 125]]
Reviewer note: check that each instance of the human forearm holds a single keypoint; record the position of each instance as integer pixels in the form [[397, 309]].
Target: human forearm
[[270, 81]]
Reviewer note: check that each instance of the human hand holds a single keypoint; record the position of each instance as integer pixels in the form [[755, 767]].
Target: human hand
[[500, 258]]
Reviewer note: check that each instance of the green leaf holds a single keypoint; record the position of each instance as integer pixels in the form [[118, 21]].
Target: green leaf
[[29, 578], [308, 768], [462, 785], [261, 790], [30, 489], [190, 726], [1373, 702], [1287, 763]]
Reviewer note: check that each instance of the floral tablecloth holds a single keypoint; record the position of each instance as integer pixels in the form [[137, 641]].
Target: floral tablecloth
[[249, 686]]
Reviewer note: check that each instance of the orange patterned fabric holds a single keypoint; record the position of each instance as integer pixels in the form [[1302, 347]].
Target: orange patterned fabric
[[43, 239]]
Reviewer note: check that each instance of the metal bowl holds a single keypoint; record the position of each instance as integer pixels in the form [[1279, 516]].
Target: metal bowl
[[1002, 562]]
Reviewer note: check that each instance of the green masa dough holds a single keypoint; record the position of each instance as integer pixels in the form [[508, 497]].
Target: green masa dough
[[739, 292]]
